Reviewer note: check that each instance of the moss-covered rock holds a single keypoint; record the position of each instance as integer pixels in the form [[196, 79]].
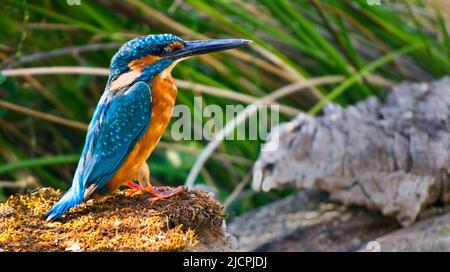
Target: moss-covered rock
[[190, 220]]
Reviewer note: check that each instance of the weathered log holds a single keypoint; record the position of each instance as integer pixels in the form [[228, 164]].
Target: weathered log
[[308, 221], [393, 156], [431, 234]]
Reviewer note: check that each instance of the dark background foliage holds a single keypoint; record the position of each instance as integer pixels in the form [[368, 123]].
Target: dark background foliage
[[369, 48]]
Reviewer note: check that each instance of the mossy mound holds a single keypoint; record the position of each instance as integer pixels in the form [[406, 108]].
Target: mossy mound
[[118, 222]]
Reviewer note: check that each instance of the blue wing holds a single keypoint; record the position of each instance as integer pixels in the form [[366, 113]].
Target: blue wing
[[118, 123]]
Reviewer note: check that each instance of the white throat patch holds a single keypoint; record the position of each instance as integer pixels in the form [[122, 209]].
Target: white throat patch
[[124, 80], [166, 72]]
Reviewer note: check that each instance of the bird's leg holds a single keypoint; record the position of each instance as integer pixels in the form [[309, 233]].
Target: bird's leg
[[143, 179], [133, 187], [158, 192]]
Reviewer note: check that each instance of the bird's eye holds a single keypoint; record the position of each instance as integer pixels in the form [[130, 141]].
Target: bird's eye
[[172, 47], [165, 50], [156, 51]]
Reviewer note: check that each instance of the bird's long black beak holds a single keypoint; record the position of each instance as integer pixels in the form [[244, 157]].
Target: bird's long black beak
[[208, 46]]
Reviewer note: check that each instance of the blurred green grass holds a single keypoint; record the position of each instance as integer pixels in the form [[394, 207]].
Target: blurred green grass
[[372, 46]]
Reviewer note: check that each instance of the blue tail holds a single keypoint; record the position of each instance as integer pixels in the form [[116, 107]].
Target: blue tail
[[70, 199]]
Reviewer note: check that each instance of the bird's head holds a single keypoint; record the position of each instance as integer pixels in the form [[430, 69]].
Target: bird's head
[[144, 57]]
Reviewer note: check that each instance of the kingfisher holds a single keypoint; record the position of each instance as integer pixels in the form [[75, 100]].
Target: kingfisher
[[131, 117]]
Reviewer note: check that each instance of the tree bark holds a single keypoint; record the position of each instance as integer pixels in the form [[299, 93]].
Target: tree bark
[[308, 221], [392, 156]]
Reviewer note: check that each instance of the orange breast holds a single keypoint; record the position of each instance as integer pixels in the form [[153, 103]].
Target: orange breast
[[164, 94]]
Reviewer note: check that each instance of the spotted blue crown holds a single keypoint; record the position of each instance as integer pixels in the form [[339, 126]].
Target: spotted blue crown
[[138, 48]]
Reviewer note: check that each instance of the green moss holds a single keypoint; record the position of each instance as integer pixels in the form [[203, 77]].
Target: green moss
[[119, 222]]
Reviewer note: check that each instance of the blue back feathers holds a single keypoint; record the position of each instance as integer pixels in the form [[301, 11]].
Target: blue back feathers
[[116, 127]]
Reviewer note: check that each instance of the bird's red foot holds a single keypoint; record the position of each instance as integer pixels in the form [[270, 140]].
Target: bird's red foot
[[162, 191], [134, 188]]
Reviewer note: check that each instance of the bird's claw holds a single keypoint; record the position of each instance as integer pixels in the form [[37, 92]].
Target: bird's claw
[[131, 191], [164, 193]]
